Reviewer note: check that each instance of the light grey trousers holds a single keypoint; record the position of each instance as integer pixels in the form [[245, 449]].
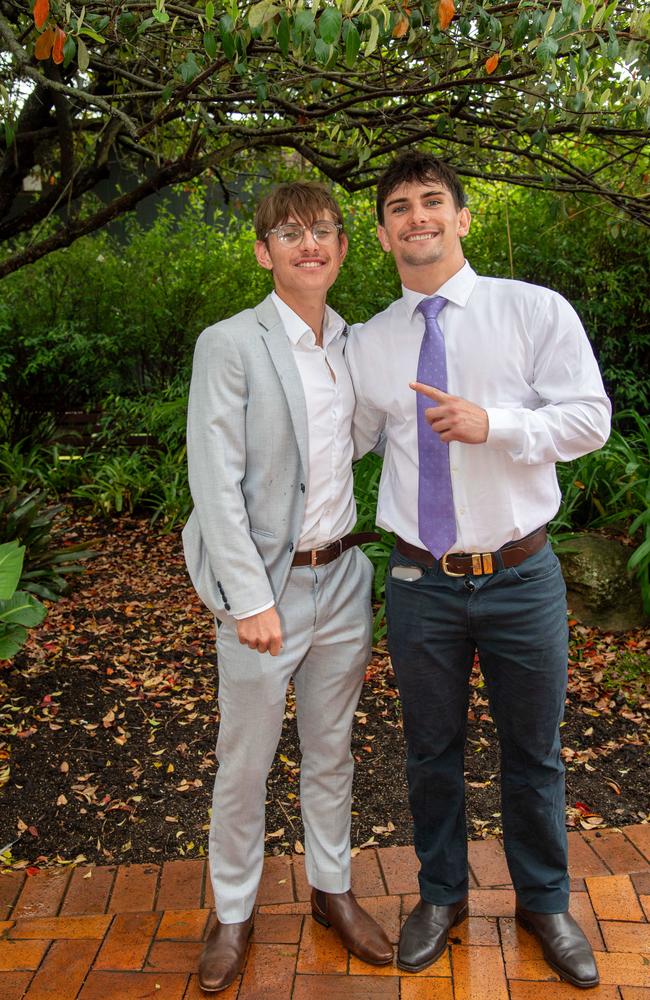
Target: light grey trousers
[[326, 626]]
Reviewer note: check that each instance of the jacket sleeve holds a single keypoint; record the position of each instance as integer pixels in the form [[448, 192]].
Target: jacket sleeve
[[216, 455]]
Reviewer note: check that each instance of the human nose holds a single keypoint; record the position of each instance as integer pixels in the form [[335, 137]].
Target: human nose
[[309, 242]]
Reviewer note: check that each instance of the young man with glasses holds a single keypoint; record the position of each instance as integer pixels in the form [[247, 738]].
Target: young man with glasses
[[269, 550], [478, 385]]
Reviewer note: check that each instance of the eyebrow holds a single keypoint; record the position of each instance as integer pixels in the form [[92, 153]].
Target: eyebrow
[[401, 201]]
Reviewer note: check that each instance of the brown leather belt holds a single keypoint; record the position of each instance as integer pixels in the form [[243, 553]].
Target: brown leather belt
[[478, 563], [320, 557]]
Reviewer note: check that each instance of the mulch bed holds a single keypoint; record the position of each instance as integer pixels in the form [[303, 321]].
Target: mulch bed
[[108, 721]]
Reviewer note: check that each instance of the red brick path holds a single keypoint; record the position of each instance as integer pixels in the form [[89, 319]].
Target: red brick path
[[135, 932]]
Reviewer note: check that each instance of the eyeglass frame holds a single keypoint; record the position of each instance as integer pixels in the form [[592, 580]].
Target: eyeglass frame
[[338, 229]]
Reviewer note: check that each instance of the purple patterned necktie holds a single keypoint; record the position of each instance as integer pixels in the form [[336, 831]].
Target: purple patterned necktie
[[436, 518]]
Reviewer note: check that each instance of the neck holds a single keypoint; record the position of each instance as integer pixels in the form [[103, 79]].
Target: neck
[[311, 310], [427, 279]]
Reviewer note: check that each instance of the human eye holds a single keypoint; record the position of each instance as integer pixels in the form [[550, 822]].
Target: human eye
[[287, 234], [324, 229]]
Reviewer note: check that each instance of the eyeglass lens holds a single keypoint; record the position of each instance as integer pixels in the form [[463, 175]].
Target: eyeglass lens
[[323, 232]]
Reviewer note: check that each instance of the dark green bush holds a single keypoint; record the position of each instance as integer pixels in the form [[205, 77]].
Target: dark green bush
[[28, 518]]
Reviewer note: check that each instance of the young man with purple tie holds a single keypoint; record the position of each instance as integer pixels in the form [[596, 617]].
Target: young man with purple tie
[[478, 386]]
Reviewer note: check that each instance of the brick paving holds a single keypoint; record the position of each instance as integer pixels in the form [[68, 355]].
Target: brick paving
[[135, 932]]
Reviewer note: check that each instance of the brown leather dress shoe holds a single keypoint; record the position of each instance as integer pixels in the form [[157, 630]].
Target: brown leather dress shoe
[[565, 947], [357, 930], [424, 934], [223, 955]]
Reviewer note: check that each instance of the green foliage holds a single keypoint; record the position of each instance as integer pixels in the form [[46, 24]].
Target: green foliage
[[29, 519], [516, 90], [104, 318], [139, 459], [18, 610], [367, 474], [629, 673], [610, 488]]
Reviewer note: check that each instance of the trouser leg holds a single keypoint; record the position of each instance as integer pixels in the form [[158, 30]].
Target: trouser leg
[[432, 655], [252, 692], [328, 685], [521, 631]]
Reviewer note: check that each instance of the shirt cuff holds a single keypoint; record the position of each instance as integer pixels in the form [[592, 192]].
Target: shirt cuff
[[257, 611], [504, 428]]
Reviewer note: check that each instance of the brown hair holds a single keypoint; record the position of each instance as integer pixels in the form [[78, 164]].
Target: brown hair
[[421, 168], [305, 200]]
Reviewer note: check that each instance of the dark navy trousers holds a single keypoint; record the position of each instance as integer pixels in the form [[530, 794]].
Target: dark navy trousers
[[517, 620]]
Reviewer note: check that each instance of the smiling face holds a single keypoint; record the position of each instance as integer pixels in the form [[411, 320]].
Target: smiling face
[[422, 227], [307, 271]]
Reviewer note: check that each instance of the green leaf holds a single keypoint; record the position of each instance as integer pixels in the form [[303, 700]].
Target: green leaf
[[352, 44], [11, 565], [188, 71], [322, 51], [95, 34], [12, 637], [284, 35], [258, 13], [69, 51], [22, 609], [210, 44], [546, 50], [161, 16], [304, 21], [329, 25], [209, 12], [227, 38], [373, 37], [83, 56], [520, 30]]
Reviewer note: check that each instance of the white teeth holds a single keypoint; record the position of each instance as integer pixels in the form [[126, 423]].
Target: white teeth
[[417, 237], [310, 263]]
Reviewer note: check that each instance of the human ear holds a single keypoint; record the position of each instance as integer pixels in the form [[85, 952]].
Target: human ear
[[464, 221], [263, 256], [382, 236]]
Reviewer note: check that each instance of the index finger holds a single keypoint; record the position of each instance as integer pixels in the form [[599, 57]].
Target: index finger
[[429, 390]]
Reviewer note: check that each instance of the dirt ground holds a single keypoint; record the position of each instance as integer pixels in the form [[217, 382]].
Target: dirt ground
[[108, 721]]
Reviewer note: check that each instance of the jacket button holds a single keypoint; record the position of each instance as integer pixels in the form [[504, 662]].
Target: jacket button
[[302, 487], [227, 607], [290, 546]]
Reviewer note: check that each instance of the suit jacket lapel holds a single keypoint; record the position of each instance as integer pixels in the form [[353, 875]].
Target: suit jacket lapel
[[279, 348]]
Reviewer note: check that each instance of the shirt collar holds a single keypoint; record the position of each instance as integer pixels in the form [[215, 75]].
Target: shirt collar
[[456, 289], [295, 327]]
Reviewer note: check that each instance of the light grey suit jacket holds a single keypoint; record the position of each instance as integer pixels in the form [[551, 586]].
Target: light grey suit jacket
[[247, 454]]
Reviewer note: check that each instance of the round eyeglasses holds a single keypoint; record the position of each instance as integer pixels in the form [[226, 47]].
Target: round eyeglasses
[[291, 234]]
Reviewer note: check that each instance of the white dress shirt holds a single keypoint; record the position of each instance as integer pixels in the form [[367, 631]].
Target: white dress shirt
[[515, 349], [330, 509]]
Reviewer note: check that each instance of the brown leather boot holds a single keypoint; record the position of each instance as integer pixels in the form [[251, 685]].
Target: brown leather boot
[[564, 945], [223, 955], [358, 932]]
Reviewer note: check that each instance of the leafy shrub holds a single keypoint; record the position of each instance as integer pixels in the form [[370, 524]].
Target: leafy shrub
[[18, 610], [27, 519], [610, 488]]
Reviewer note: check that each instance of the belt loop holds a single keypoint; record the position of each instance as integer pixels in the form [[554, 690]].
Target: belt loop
[[486, 558], [314, 557]]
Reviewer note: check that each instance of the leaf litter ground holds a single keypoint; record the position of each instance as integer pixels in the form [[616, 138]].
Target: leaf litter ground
[[108, 721]]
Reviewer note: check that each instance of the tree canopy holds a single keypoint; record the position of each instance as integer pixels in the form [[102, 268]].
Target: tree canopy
[[551, 95]]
